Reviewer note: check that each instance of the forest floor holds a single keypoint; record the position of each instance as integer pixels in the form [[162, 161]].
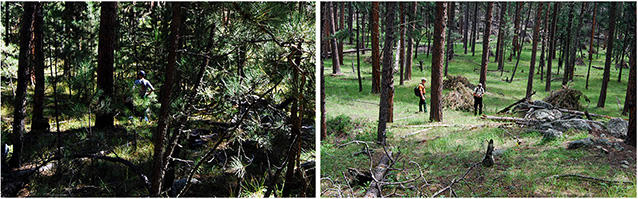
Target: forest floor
[[432, 154]]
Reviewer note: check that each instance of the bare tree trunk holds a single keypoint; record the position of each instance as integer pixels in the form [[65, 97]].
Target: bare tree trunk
[[568, 41], [376, 65], [436, 113], [465, 32], [387, 88], [322, 89], [108, 25], [591, 46], [552, 48], [410, 49], [326, 29], [38, 123], [530, 79], [501, 42], [486, 43], [630, 98], [401, 41], [517, 29], [19, 111], [336, 67], [474, 26], [159, 136], [358, 58], [541, 64], [349, 20], [576, 42], [341, 19], [610, 46], [449, 47]]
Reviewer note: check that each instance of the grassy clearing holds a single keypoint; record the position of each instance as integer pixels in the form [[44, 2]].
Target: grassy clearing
[[445, 153]]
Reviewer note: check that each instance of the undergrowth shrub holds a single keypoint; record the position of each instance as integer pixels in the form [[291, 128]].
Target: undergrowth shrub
[[340, 125]]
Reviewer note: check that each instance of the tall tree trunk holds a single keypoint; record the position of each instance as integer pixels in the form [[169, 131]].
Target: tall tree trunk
[[630, 98], [336, 67], [436, 113], [322, 89], [501, 42], [341, 20], [466, 25], [576, 42], [401, 41], [358, 58], [474, 26], [537, 24], [105, 59], [326, 29], [517, 29], [20, 103], [486, 44], [448, 46], [520, 44], [387, 87], [159, 136], [349, 20], [296, 115], [567, 48], [363, 28], [38, 123], [591, 46], [376, 65], [552, 48], [610, 46], [410, 49], [541, 64], [622, 53]]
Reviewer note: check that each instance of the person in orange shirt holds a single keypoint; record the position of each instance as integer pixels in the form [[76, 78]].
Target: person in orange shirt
[[422, 101]]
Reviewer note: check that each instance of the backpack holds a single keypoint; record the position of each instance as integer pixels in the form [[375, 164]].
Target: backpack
[[417, 92]]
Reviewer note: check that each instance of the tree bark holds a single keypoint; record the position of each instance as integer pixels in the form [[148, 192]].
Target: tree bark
[[358, 58], [537, 24], [387, 87], [449, 46], [567, 48], [486, 43], [591, 46], [379, 173], [410, 49], [474, 26], [436, 111], [401, 41], [465, 32], [336, 67], [630, 98], [19, 111], [517, 27], [159, 136], [322, 89], [541, 63], [38, 123], [501, 42], [341, 20], [349, 20], [376, 65], [610, 46], [326, 29], [105, 59], [552, 48], [576, 42]]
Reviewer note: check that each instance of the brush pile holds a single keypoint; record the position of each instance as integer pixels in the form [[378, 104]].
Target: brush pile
[[450, 82], [565, 98], [460, 98]]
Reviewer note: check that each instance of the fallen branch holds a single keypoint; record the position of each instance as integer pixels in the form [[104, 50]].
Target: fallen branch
[[354, 141], [589, 178], [442, 125], [517, 102], [512, 119], [455, 180], [583, 113], [379, 172], [417, 132]]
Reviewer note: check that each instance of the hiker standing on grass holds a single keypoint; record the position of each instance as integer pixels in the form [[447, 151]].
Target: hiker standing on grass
[[421, 96], [478, 98]]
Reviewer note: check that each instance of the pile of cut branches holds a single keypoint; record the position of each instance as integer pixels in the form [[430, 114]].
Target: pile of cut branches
[[459, 99], [451, 81], [566, 98]]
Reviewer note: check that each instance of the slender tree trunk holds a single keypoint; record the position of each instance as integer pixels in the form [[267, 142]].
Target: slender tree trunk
[[20, 103], [358, 59], [38, 123], [552, 48], [449, 49], [401, 41], [486, 44], [387, 88], [326, 29], [376, 65], [610, 46], [501, 42], [622, 53], [541, 64], [576, 42], [474, 26], [159, 136], [108, 25], [336, 67], [410, 49], [591, 46], [567, 48], [436, 113], [465, 32], [630, 97], [520, 45], [341, 20], [537, 24], [452, 27], [349, 20], [322, 89], [517, 29]]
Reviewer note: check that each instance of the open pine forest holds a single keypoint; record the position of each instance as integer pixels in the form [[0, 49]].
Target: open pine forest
[[559, 104], [136, 99]]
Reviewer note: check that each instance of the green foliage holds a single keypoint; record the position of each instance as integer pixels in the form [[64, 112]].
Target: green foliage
[[340, 125]]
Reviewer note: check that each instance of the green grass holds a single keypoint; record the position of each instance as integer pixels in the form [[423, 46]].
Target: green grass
[[445, 153]]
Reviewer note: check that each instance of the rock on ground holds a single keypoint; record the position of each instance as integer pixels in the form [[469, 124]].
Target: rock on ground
[[580, 143], [551, 134], [618, 127]]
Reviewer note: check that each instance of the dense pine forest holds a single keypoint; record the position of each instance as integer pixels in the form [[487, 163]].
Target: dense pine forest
[[554, 84], [130, 99]]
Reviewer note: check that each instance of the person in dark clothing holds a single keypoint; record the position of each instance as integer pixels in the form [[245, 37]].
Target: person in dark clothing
[[422, 102], [478, 98], [144, 88]]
